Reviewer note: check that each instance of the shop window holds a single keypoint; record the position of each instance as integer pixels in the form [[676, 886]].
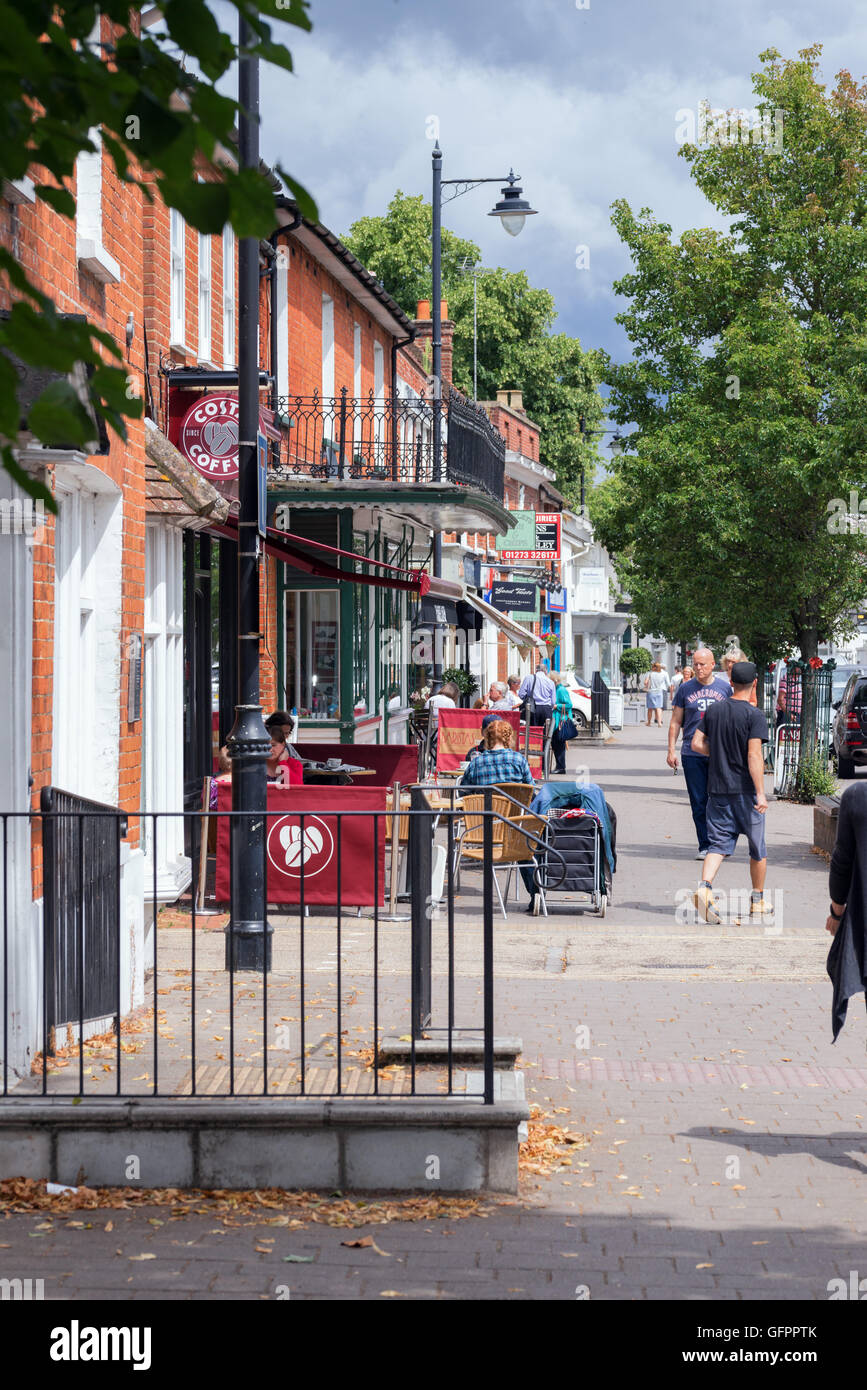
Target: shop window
[[312, 653]]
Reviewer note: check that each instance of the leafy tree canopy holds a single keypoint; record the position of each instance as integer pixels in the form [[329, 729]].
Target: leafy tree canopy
[[516, 345], [747, 383], [59, 84]]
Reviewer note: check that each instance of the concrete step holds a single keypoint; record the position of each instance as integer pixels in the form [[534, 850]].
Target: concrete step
[[465, 1048]]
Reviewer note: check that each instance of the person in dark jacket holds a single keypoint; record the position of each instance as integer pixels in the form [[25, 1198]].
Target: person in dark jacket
[[847, 914]]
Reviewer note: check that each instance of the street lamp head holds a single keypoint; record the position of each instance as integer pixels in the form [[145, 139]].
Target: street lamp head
[[512, 209], [617, 445]]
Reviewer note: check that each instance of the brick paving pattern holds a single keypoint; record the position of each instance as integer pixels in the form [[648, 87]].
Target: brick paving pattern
[[727, 1134]]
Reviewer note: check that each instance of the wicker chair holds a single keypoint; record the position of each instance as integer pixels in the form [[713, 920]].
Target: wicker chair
[[511, 848]]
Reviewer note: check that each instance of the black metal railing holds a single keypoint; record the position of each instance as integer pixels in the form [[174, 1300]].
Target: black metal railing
[[389, 439], [599, 711], [476, 453], [81, 908], [314, 1025]]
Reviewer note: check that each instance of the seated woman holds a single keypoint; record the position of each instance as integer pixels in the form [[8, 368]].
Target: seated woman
[[498, 762], [279, 765]]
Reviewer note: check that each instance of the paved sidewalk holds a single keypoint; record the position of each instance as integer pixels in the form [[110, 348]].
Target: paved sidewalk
[[727, 1134]]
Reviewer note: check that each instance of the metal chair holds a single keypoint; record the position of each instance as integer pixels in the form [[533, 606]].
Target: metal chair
[[511, 849]]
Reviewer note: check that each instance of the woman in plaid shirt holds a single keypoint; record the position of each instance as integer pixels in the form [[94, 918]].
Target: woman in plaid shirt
[[498, 762]]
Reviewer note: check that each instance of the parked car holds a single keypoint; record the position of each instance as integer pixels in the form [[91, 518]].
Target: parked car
[[579, 692], [849, 731]]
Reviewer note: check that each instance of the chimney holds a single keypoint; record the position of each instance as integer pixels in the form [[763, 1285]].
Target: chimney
[[513, 399], [422, 345]]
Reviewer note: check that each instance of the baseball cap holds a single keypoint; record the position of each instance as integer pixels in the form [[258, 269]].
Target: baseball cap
[[744, 673]]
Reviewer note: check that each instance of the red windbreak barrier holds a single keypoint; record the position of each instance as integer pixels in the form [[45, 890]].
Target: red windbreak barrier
[[461, 729], [316, 846]]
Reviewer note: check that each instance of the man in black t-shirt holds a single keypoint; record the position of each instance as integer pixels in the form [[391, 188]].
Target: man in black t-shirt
[[731, 737]]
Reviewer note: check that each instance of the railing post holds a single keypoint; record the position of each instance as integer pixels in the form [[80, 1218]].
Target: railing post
[[488, 946], [341, 445], [420, 843]]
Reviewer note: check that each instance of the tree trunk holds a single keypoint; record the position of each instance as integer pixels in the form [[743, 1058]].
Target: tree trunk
[[807, 628]]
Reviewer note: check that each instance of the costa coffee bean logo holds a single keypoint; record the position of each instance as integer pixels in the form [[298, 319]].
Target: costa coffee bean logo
[[292, 851], [209, 436]]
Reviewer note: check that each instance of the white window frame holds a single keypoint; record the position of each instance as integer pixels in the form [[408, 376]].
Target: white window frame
[[204, 297], [357, 423], [379, 398], [90, 252], [228, 295], [177, 280], [163, 709], [87, 634], [328, 361]]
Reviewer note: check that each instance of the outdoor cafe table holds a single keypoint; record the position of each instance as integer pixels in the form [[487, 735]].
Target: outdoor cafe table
[[341, 859]]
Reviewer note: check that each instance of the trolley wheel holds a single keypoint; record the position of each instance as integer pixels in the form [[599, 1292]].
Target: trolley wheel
[[603, 904]]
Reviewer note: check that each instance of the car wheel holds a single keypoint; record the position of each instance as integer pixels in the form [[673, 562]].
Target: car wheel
[[845, 767], [579, 719]]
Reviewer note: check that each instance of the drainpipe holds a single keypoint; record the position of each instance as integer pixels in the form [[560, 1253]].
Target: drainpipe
[[269, 248]]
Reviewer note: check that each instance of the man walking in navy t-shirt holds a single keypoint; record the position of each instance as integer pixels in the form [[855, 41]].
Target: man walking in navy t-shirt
[[691, 700]]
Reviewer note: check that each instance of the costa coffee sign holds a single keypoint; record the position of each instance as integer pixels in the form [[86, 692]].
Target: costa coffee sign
[[209, 437]]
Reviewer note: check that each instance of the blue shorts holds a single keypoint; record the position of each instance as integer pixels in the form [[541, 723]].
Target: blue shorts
[[731, 816]]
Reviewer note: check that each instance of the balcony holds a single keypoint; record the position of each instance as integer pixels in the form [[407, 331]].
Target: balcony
[[389, 440]]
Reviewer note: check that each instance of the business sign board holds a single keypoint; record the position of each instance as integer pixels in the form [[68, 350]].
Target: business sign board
[[514, 598], [555, 603], [534, 536], [592, 574]]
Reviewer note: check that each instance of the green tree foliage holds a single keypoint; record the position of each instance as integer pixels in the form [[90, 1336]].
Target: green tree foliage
[[516, 345], [59, 83], [747, 384], [634, 661]]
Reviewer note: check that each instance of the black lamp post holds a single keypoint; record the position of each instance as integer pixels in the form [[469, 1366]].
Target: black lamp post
[[513, 212], [248, 935], [617, 445]]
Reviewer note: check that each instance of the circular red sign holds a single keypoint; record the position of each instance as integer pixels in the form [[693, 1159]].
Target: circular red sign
[[209, 436]]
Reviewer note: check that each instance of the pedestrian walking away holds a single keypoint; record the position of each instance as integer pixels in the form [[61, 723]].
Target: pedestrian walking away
[[539, 695], [656, 684], [730, 738], [691, 700]]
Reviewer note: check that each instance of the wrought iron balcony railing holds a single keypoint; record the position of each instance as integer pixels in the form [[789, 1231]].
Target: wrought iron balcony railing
[[389, 439]]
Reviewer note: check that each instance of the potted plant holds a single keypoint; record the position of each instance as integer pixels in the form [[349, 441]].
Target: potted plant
[[465, 683]]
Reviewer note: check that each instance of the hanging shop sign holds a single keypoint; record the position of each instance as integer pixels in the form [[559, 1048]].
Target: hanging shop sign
[[536, 538], [514, 598], [209, 437]]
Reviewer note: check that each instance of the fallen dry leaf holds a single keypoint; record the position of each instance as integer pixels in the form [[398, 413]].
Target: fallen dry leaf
[[142, 1257]]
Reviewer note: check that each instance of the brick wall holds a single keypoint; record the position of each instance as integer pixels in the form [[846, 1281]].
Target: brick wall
[[44, 243]]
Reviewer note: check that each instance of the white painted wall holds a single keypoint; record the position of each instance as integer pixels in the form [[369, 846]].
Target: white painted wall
[[163, 713], [21, 927]]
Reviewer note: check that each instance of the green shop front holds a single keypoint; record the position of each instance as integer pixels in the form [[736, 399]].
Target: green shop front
[[343, 646]]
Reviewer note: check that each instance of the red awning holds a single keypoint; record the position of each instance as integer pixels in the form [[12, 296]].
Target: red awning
[[292, 550]]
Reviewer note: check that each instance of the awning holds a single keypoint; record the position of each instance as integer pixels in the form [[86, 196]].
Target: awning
[[519, 636], [292, 550], [445, 588], [437, 612]]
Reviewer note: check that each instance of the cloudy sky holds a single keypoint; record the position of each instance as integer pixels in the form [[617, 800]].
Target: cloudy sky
[[581, 101]]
